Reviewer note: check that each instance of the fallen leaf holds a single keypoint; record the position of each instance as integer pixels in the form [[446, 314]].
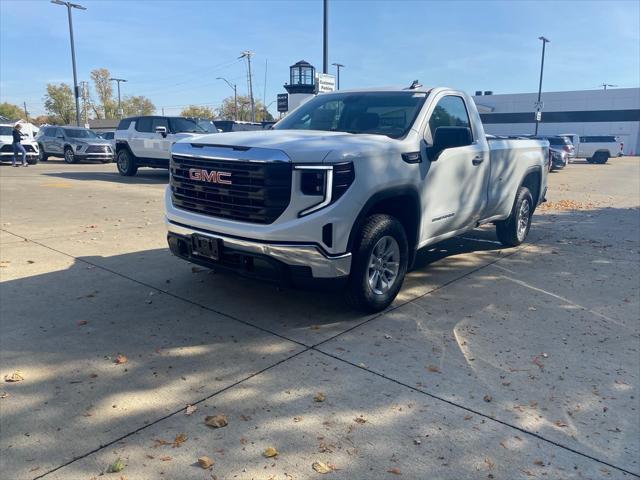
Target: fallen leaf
[[297, 419], [158, 442], [560, 424], [321, 467], [121, 359], [81, 322], [205, 462], [490, 463], [190, 409], [4, 395], [179, 440], [166, 459], [538, 362], [319, 397], [395, 471], [468, 417], [196, 269], [433, 369], [116, 466], [360, 420], [270, 452], [30, 261], [540, 463], [216, 421], [14, 377], [487, 398]]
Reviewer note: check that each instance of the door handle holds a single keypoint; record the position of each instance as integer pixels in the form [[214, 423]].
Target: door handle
[[477, 160]]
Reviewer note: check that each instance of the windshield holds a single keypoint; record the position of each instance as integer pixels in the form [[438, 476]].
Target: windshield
[[180, 125], [80, 133], [6, 130], [379, 113], [208, 125]]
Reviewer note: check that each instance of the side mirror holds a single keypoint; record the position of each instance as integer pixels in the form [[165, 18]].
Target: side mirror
[[449, 137], [161, 130]]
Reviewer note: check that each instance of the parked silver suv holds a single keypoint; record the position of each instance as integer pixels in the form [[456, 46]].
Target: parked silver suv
[[73, 144]]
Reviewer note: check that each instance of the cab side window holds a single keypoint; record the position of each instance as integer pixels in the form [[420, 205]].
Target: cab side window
[[449, 112], [144, 125], [159, 122]]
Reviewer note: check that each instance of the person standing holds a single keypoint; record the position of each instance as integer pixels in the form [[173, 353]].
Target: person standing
[[18, 148]]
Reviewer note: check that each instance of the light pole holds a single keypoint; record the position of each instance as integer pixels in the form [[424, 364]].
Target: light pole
[[118, 80], [235, 97], [325, 37], [69, 6], [338, 67], [538, 103]]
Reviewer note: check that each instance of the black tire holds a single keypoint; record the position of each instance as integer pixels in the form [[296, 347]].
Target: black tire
[[601, 158], [69, 156], [511, 232], [589, 160], [31, 160], [42, 156], [127, 166], [377, 230]]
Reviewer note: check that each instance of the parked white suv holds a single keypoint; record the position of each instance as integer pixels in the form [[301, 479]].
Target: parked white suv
[[595, 148], [6, 145], [146, 141]]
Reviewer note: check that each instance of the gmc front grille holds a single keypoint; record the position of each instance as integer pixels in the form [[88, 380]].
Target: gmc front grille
[[258, 193]]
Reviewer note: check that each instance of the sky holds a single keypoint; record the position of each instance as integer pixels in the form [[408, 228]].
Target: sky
[[172, 51]]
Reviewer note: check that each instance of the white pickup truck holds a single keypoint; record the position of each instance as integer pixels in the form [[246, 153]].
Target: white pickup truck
[[348, 187]]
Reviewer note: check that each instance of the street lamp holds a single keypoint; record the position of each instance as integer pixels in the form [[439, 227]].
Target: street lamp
[[76, 91], [538, 103], [235, 97], [118, 80], [338, 67]]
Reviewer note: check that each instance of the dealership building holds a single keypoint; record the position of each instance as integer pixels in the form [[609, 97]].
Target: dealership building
[[583, 112]]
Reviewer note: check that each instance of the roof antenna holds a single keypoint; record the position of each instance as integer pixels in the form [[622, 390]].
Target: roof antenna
[[415, 84]]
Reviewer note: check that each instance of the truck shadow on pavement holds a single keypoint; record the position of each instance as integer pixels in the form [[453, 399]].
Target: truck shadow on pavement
[[187, 334], [149, 176]]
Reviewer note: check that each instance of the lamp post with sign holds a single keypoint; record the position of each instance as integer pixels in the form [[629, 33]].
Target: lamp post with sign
[[538, 104]]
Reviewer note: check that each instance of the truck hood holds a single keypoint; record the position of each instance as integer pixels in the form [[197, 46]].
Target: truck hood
[[305, 146]]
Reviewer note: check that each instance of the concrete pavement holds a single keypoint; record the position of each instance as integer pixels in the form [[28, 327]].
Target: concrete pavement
[[492, 363]]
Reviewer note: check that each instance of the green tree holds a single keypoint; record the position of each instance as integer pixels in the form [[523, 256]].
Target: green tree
[[45, 120], [226, 111], [11, 111], [59, 103], [107, 108], [195, 111], [137, 105]]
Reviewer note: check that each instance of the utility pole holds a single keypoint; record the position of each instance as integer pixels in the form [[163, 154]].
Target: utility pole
[[538, 103], [76, 93], [235, 97], [163, 111], [325, 38], [264, 90], [605, 85], [247, 54], [118, 81], [26, 114], [338, 67]]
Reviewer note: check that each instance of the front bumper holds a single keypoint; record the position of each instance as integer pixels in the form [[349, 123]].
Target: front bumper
[[94, 156], [11, 154], [296, 259]]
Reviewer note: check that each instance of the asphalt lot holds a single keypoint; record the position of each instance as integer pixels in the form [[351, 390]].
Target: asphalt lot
[[492, 363]]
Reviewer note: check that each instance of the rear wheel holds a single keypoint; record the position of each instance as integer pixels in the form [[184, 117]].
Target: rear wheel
[[379, 264], [69, 156], [126, 163], [514, 230], [31, 160], [601, 157]]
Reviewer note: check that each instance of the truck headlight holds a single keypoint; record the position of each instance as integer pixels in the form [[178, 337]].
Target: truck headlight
[[326, 181]]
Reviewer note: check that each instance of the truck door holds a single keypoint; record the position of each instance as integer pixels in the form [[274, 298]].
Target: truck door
[[141, 138], [161, 145], [455, 184]]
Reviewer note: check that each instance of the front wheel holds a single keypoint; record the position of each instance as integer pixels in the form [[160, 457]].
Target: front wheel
[[127, 166], [42, 156], [32, 160], [379, 264], [513, 231], [69, 156]]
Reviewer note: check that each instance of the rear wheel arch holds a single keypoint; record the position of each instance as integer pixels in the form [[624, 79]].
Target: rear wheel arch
[[533, 181], [402, 203]]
